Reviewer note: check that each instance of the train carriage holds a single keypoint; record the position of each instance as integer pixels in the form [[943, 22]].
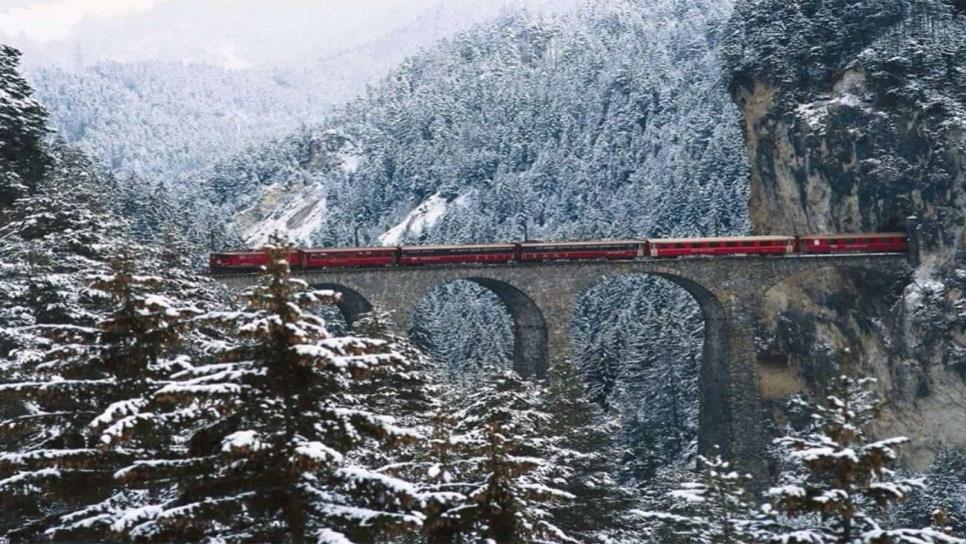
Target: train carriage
[[743, 245], [246, 261], [479, 253], [884, 242], [576, 251], [350, 257]]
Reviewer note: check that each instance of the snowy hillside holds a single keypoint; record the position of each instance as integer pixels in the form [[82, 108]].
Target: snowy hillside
[[581, 125]]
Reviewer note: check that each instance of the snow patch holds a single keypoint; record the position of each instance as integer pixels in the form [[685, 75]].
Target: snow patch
[[241, 442], [318, 452], [814, 113], [298, 216], [847, 92], [328, 536], [421, 218], [349, 159]]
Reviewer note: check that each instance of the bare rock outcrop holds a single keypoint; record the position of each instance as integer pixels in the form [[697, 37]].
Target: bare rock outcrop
[[855, 121]]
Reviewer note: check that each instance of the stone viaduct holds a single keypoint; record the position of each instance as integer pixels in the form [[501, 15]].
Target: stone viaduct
[[542, 297]]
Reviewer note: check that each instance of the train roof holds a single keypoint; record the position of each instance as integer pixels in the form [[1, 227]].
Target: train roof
[[348, 249], [722, 239], [458, 246], [571, 243], [846, 235], [238, 252]]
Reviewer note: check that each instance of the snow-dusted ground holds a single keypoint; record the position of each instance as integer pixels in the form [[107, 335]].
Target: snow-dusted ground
[[297, 215], [421, 218]]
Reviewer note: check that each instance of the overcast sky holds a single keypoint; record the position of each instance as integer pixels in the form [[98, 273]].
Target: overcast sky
[[232, 33], [49, 20]]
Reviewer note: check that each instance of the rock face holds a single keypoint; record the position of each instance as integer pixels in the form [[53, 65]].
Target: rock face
[[855, 120]]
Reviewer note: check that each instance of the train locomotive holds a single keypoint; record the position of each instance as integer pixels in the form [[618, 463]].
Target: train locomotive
[[523, 252]]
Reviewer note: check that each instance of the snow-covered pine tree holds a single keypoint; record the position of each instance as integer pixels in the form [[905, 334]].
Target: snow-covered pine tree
[[415, 394], [848, 483], [715, 509], [587, 460], [437, 463], [945, 492], [442, 488], [83, 391], [60, 230], [408, 391], [464, 327], [23, 124], [508, 455], [267, 431]]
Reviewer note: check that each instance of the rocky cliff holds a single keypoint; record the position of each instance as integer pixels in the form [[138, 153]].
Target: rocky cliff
[[854, 118]]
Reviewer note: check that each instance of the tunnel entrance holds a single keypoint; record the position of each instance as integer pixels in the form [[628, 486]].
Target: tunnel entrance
[[808, 319]]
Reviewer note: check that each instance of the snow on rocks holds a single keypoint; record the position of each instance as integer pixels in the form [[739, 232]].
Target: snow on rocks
[[242, 442], [421, 218]]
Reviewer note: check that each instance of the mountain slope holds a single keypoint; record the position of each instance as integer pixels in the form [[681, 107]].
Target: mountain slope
[[609, 122]]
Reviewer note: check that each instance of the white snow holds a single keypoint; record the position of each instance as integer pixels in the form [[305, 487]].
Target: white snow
[[297, 215], [318, 452], [791, 490], [921, 286], [328, 536], [358, 475], [350, 159], [118, 409], [421, 218], [814, 113], [690, 492], [20, 477], [133, 516], [241, 441]]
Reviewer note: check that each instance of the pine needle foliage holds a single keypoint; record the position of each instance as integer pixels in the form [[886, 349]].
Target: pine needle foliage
[[505, 447], [268, 429], [436, 462], [586, 459], [716, 508], [945, 494], [81, 394], [409, 390], [847, 483], [23, 124]]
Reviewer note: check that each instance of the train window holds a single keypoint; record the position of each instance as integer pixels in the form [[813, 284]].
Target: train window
[[679, 246]]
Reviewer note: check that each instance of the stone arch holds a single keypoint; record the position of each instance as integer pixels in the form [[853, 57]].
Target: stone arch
[[531, 355], [530, 336], [715, 386], [352, 305]]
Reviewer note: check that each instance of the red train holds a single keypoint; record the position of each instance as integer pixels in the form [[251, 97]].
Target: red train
[[890, 242]]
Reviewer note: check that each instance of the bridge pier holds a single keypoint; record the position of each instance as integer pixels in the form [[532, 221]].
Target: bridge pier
[[731, 415]]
